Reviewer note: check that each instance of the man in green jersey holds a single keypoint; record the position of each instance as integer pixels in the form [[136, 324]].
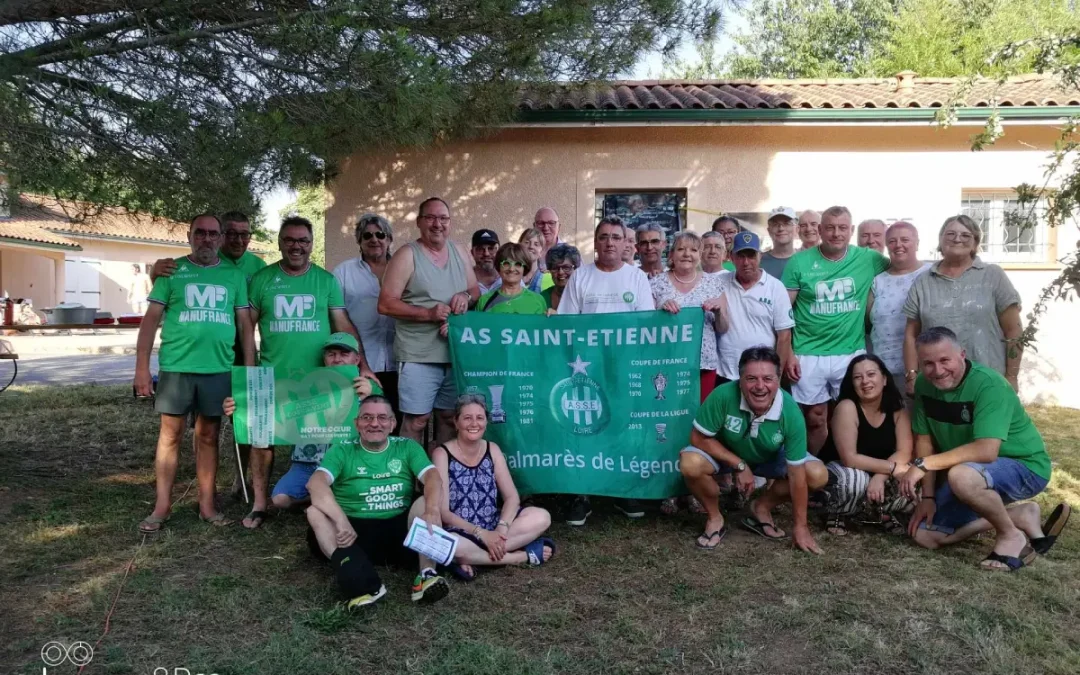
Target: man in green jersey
[[204, 304], [828, 285], [753, 429], [970, 425], [297, 305], [362, 506]]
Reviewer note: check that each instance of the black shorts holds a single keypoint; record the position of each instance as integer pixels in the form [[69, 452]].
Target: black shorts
[[382, 539], [183, 393]]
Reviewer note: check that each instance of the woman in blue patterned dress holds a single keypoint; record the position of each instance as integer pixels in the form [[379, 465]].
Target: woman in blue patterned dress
[[476, 475]]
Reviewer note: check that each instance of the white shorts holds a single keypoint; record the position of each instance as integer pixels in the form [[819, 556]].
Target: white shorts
[[821, 377]]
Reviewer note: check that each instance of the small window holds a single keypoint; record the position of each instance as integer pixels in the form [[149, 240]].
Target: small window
[[1003, 239]]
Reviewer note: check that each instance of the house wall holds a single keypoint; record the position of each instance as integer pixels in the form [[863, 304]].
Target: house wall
[[912, 172], [30, 273], [116, 260]]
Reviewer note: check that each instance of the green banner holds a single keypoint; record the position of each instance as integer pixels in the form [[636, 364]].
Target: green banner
[[597, 404], [279, 408]]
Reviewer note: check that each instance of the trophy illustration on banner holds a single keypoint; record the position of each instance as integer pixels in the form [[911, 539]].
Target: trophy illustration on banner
[[659, 382], [498, 415], [660, 431]]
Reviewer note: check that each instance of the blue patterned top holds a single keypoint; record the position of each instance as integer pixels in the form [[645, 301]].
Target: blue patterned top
[[474, 495]]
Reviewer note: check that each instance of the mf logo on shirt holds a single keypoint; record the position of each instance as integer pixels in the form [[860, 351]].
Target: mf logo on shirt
[[837, 290], [294, 306], [205, 296]]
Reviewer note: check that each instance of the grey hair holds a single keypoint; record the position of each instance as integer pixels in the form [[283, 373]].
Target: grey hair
[[685, 234], [650, 227], [936, 335], [376, 398], [611, 220], [711, 234], [556, 254], [969, 224], [375, 219], [469, 399], [872, 221], [835, 212]]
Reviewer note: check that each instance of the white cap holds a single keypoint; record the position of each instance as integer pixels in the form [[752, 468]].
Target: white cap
[[785, 211]]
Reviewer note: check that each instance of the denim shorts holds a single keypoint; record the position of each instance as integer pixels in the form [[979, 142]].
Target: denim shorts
[[294, 483], [1012, 480], [423, 387], [773, 468]]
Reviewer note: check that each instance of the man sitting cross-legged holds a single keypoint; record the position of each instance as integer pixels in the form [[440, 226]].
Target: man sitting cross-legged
[[753, 428], [362, 505], [989, 451]]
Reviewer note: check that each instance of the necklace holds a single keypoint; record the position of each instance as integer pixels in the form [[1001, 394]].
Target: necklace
[[684, 281]]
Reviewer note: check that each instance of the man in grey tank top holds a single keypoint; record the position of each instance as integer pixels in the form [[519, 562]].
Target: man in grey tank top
[[426, 282]]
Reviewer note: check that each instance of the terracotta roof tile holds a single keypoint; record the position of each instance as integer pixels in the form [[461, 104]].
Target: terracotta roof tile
[[903, 91], [66, 217], [31, 231]]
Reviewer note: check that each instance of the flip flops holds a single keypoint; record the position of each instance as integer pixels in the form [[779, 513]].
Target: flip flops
[[534, 551], [217, 520], [708, 537], [757, 527], [260, 516], [152, 524], [1026, 557], [1051, 529]]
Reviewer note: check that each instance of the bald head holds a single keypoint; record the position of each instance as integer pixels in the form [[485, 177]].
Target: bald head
[[547, 221], [872, 234]]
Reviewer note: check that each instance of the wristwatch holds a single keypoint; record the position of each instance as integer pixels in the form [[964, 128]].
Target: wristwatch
[[740, 467], [920, 464]]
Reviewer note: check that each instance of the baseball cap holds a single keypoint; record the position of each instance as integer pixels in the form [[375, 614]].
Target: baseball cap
[[746, 241], [484, 237], [785, 211], [342, 340]]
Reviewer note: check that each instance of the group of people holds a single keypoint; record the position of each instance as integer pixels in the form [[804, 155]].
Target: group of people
[[831, 374]]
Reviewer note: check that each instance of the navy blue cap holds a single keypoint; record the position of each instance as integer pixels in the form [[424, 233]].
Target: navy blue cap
[[746, 241]]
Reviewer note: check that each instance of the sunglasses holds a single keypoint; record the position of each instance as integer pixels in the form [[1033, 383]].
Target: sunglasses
[[378, 235], [507, 264]]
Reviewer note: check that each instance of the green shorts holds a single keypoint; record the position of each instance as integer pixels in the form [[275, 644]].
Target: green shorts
[[183, 393]]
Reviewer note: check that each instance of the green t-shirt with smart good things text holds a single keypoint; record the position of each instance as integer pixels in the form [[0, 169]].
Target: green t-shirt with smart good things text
[[755, 440], [294, 314], [984, 405], [370, 484], [199, 330], [830, 308]]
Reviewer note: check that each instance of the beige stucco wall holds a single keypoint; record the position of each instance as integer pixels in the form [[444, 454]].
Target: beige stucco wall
[[116, 272], [912, 172], [30, 273]]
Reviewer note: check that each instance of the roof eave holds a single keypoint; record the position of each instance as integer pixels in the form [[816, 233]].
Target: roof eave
[[112, 237], [30, 243], [789, 115]]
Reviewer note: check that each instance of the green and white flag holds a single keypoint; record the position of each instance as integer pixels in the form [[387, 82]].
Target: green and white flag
[[593, 404], [290, 408]]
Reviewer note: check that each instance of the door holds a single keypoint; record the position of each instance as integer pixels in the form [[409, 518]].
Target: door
[[83, 281]]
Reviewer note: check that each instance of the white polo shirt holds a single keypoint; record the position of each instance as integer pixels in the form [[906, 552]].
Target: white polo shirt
[[754, 316]]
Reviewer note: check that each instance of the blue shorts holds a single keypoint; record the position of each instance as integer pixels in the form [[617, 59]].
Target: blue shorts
[[773, 468], [294, 483], [423, 387], [1012, 480]]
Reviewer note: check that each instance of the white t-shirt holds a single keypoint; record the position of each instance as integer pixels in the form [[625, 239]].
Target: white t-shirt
[[887, 319], [591, 291], [754, 316]]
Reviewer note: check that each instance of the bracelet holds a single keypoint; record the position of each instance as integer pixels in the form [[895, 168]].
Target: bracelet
[[476, 531]]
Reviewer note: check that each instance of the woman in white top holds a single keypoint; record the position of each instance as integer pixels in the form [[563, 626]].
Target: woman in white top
[[885, 305], [361, 281]]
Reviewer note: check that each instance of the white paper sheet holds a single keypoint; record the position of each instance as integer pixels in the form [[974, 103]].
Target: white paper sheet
[[440, 546]]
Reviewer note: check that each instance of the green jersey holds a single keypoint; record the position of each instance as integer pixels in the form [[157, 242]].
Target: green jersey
[[294, 314], [312, 453], [200, 309], [830, 308], [379, 484], [249, 263], [756, 440], [526, 302], [984, 405]]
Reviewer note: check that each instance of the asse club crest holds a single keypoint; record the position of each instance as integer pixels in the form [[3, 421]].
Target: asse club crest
[[578, 403]]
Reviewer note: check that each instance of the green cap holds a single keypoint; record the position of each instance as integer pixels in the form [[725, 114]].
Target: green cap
[[342, 340]]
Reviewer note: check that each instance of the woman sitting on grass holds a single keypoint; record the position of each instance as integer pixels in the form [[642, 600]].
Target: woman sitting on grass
[[475, 474], [870, 444]]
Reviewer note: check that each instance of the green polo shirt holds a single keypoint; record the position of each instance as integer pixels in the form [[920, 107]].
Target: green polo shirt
[[726, 417], [984, 405]]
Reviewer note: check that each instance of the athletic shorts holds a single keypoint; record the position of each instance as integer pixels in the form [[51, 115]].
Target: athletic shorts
[[773, 468], [821, 377], [1012, 480], [184, 393], [423, 387], [294, 483], [382, 540]]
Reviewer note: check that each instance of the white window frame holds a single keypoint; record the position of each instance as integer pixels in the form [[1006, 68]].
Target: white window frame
[[997, 245]]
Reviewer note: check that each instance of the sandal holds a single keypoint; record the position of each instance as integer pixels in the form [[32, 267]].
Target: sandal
[[152, 524], [669, 506], [757, 527], [458, 570], [708, 537], [1051, 529], [217, 520], [1026, 557], [836, 526], [694, 505], [534, 551], [257, 517]]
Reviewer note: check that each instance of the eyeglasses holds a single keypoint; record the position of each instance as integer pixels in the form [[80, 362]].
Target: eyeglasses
[[609, 237], [542, 223], [289, 241], [233, 234], [958, 236], [381, 419], [212, 235], [431, 219], [378, 235], [650, 242], [562, 269], [507, 264]]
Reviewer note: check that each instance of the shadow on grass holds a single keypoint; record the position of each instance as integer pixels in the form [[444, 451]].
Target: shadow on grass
[[621, 596]]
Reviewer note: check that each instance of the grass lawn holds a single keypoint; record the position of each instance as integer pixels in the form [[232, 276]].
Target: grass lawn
[[76, 477]]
